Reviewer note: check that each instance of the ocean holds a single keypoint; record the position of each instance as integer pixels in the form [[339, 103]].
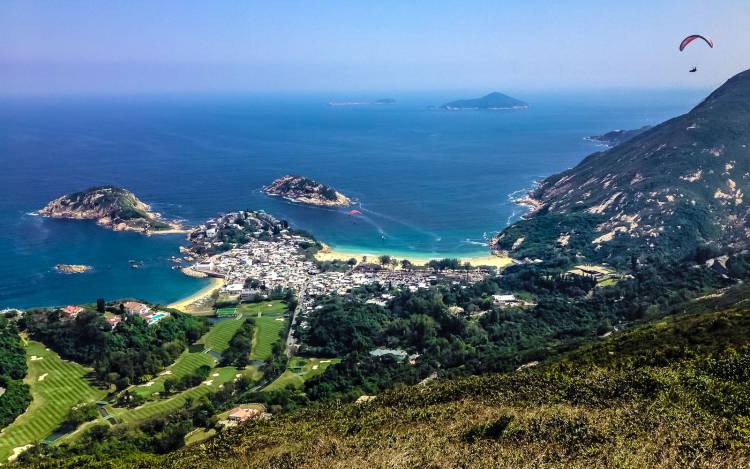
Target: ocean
[[430, 183]]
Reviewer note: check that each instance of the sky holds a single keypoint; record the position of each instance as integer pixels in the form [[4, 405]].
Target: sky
[[142, 46]]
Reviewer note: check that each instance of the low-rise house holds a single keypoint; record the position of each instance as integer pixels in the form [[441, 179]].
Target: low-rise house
[[505, 300], [135, 308], [113, 321], [204, 265], [72, 311], [240, 414]]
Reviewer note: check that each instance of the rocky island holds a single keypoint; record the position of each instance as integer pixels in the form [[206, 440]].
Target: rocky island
[[72, 268], [111, 207], [492, 102], [303, 190]]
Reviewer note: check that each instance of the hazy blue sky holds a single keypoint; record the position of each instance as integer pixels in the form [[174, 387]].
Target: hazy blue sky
[[154, 46]]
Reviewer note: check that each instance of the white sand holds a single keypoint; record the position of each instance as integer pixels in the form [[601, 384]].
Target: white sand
[[35, 358], [17, 452], [208, 382], [41, 378]]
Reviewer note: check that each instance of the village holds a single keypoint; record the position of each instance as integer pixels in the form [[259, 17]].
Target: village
[[274, 258]]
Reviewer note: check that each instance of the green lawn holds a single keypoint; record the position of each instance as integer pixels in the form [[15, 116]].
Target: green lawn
[[299, 370], [187, 363], [63, 386], [177, 401], [216, 339], [269, 322]]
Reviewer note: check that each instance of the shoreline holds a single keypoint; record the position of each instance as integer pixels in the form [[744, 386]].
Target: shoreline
[[182, 303], [330, 254]]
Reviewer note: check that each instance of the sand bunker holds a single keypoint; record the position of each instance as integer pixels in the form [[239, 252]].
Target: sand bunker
[[41, 378]]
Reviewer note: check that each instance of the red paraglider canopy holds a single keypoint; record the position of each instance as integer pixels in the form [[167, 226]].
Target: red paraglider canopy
[[692, 38], [354, 212]]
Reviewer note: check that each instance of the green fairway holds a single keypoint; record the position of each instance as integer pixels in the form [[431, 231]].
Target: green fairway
[[56, 386], [267, 329], [187, 363], [299, 370], [177, 401]]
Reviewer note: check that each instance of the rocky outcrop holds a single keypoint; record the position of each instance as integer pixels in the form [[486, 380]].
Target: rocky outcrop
[[72, 268], [111, 207], [303, 190]]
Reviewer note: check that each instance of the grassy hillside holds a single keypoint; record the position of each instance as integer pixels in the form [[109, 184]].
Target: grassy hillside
[[672, 393], [669, 190]]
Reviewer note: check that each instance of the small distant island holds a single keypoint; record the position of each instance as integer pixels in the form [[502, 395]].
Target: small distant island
[[491, 102], [361, 103], [616, 137], [303, 190], [111, 207], [72, 268]]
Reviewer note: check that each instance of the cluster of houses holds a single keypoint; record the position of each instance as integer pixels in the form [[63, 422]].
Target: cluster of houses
[[72, 312], [131, 308]]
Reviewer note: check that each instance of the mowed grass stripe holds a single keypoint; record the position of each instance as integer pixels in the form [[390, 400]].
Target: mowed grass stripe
[[63, 387], [187, 363], [217, 339], [154, 408], [267, 332]]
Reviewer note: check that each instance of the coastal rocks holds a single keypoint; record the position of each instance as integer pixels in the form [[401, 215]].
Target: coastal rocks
[[111, 207], [72, 268], [303, 190]]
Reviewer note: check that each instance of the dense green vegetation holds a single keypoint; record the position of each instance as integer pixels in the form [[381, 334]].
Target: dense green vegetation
[[460, 331], [121, 356], [668, 394], [240, 345], [15, 396]]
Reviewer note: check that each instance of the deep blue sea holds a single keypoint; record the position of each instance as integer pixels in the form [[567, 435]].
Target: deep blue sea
[[429, 182]]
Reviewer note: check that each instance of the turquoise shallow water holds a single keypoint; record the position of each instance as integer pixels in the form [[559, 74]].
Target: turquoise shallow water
[[429, 182]]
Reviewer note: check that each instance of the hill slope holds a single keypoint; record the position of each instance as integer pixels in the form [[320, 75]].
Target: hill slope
[[667, 394], [674, 187]]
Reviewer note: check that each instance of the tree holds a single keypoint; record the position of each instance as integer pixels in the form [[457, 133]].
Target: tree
[[394, 263], [100, 305], [169, 385], [406, 264], [384, 260]]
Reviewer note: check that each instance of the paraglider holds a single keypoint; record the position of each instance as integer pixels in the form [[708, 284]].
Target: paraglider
[[685, 42], [354, 212], [692, 38]]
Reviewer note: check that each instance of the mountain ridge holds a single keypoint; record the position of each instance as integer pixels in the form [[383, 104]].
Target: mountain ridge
[[676, 186]]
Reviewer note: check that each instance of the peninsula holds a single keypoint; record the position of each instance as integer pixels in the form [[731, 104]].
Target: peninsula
[[616, 137], [303, 190], [111, 207], [491, 102]]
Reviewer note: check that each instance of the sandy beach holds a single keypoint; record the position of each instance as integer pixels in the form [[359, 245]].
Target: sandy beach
[[183, 303], [328, 254]]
